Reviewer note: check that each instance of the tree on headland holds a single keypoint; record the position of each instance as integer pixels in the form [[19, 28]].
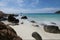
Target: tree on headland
[[57, 12]]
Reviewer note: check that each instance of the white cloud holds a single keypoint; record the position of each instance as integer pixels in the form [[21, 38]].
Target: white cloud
[[3, 7], [10, 10], [43, 10]]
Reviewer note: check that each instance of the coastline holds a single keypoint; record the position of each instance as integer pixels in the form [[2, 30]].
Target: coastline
[[26, 29]]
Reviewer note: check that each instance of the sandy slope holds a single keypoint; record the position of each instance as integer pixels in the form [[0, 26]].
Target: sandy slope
[[25, 31]]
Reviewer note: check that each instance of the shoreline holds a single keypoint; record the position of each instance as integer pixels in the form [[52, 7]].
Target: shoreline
[[26, 29]]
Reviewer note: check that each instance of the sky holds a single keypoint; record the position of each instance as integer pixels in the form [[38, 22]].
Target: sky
[[29, 6]]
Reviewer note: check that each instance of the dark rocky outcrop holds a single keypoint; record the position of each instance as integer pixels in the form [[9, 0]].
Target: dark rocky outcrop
[[24, 17], [12, 19], [3, 16], [8, 33], [36, 36], [57, 12], [51, 29]]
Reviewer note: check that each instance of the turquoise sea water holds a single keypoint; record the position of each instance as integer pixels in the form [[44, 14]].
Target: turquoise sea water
[[43, 17]]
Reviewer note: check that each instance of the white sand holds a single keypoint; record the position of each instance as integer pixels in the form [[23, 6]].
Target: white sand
[[25, 31]]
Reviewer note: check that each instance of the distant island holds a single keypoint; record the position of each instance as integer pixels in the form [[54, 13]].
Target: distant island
[[57, 12]]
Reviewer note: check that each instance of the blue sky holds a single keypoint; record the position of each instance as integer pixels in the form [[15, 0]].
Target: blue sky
[[29, 6]]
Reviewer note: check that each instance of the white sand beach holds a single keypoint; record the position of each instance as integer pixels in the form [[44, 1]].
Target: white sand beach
[[26, 29]]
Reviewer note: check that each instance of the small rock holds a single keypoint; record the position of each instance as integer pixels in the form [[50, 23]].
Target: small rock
[[36, 25], [21, 22], [36, 36]]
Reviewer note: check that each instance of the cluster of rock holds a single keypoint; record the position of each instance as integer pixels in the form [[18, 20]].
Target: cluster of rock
[[51, 29], [7, 33], [12, 19]]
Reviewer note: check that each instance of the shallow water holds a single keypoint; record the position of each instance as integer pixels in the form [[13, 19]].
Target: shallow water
[[44, 17]]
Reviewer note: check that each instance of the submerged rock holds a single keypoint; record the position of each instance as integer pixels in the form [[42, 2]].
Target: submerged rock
[[33, 21], [24, 17], [51, 29], [53, 23], [8, 33], [36, 36]]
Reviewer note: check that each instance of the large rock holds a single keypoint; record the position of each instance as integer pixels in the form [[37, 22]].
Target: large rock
[[8, 33], [24, 17], [51, 29], [12, 19], [36, 36]]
